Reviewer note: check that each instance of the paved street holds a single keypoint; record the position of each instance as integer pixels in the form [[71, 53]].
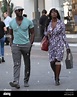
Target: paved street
[[41, 74]]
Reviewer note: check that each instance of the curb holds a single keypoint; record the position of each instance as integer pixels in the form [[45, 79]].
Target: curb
[[70, 44]]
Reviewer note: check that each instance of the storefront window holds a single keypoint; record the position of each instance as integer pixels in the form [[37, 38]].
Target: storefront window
[[70, 16]]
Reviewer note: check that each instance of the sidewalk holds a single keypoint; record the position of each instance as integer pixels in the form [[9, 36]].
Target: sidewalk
[[71, 38], [42, 78]]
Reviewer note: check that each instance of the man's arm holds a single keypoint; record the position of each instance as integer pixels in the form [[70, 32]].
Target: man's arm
[[5, 29], [32, 35], [11, 36]]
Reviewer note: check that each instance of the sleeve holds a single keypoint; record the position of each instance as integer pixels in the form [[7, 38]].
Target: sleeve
[[48, 29], [64, 35], [31, 25], [4, 24], [10, 27]]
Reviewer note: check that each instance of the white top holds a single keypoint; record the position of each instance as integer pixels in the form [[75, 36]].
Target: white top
[[7, 21]]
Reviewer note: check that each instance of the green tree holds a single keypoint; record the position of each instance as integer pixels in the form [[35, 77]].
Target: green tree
[[7, 6]]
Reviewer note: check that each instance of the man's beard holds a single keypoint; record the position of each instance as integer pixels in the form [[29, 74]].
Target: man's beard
[[20, 16]]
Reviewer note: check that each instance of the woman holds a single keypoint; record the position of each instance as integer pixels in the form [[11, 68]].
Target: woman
[[55, 32]]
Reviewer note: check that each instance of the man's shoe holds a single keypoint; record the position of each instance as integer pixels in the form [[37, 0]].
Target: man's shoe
[[26, 84], [3, 59], [14, 84]]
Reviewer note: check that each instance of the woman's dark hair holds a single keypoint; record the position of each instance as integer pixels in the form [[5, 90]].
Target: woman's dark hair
[[50, 18]]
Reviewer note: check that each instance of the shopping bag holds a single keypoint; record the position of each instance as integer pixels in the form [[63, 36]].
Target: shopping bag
[[44, 44], [69, 61]]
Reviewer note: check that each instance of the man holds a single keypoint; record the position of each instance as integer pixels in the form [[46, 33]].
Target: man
[[7, 20], [21, 45], [2, 39], [42, 22]]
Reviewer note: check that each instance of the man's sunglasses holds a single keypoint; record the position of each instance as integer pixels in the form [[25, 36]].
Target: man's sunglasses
[[20, 10]]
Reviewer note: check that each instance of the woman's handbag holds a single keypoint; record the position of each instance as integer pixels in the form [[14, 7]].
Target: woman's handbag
[[44, 44], [69, 61]]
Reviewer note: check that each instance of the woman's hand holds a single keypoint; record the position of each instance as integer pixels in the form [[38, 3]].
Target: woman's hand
[[49, 34], [68, 51]]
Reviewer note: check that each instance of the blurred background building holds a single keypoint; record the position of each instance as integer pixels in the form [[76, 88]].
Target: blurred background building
[[33, 9]]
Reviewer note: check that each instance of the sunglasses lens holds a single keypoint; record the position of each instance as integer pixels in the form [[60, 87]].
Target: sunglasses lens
[[20, 10]]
